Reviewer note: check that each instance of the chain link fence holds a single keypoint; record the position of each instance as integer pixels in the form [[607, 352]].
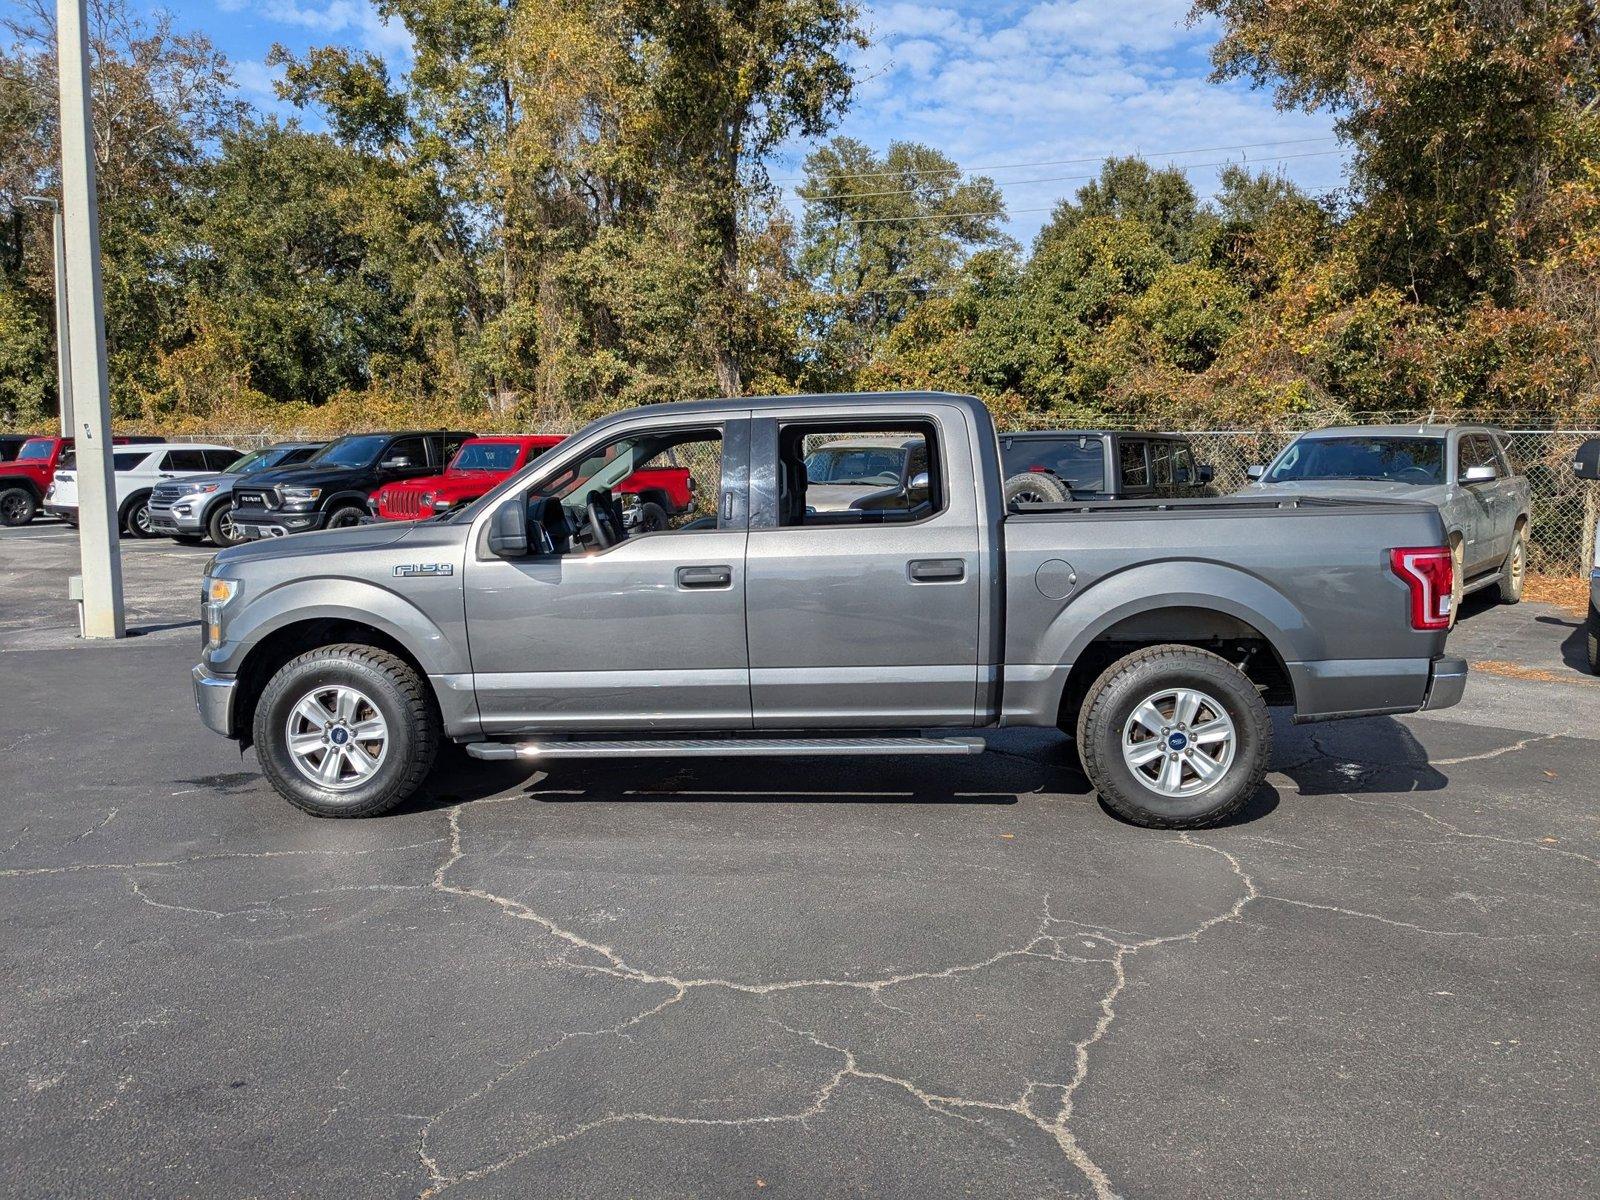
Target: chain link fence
[[1563, 513]]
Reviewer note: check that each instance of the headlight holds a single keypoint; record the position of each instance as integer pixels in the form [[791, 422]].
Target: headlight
[[427, 498], [300, 495], [201, 489], [217, 594]]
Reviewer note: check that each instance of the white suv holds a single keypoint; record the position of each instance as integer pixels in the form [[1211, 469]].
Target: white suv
[[137, 471]]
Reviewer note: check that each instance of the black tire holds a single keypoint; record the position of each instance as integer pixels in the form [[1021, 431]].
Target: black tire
[[1514, 571], [345, 516], [652, 518], [391, 687], [136, 517], [17, 506], [1143, 675], [219, 526], [1593, 632], [1035, 487]]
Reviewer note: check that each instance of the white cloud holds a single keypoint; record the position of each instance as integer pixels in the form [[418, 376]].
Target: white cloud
[[354, 20], [1039, 82]]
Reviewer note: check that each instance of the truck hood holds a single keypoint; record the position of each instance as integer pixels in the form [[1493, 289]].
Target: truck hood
[[1361, 489], [310, 472], [223, 482], [325, 542]]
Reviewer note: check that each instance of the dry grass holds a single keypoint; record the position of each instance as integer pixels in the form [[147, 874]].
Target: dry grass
[[1511, 670], [1569, 592]]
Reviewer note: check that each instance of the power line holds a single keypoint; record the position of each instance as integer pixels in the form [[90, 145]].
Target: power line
[[1005, 183], [1060, 162], [1011, 212]]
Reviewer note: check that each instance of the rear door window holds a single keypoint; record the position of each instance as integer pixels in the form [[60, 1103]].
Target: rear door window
[[1131, 457], [220, 460], [184, 460], [1161, 463]]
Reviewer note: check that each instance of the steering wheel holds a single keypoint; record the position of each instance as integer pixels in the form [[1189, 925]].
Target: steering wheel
[[1414, 474], [599, 519]]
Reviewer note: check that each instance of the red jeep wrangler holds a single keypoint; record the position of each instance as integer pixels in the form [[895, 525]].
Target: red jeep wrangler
[[26, 478], [660, 493]]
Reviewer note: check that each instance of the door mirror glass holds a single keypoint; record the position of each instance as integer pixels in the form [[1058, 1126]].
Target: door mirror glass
[[508, 529], [1255, 471], [398, 463], [1205, 473], [1479, 474], [918, 487]]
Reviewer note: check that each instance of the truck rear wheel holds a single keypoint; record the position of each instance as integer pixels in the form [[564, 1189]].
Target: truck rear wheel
[[1174, 738], [346, 731], [1514, 571]]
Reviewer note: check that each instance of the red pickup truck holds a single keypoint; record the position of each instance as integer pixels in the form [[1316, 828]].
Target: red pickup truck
[[659, 493], [26, 478]]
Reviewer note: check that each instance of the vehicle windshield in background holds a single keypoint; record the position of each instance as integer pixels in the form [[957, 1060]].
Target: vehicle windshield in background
[[1079, 462], [355, 451], [1418, 460], [855, 464], [486, 456], [257, 460], [37, 449]]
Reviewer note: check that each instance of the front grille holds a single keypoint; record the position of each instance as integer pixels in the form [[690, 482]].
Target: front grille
[[402, 502], [254, 498]]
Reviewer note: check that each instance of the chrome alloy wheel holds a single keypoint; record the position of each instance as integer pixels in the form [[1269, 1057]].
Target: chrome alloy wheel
[[336, 737], [1179, 742], [225, 526]]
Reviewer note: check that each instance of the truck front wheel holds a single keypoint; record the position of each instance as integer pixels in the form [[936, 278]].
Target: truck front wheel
[[1174, 738], [346, 731]]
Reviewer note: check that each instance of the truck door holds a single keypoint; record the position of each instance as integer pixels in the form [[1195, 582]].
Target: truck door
[[1485, 509], [647, 633], [863, 597]]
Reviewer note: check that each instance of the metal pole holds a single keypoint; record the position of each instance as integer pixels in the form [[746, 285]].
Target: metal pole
[[97, 510], [63, 349]]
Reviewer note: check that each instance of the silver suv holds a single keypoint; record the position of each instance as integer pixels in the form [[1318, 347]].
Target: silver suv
[[201, 508]]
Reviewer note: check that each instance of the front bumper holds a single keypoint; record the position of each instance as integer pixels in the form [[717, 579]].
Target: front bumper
[[172, 521], [213, 698], [253, 524], [1447, 681], [67, 512]]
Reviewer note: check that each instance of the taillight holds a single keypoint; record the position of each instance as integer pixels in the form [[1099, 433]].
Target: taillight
[[1429, 572]]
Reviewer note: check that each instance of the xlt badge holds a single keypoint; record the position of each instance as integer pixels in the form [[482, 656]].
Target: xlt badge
[[423, 570]]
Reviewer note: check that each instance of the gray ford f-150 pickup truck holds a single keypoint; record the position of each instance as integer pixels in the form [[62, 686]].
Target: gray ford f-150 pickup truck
[[530, 624]]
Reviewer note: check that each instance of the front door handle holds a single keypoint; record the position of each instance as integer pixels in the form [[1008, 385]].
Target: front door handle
[[936, 570], [705, 577]]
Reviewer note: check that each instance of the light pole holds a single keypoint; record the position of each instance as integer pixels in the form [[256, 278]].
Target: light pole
[[86, 334], [63, 349]]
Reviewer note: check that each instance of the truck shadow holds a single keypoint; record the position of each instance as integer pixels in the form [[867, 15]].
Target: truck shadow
[[1370, 754]]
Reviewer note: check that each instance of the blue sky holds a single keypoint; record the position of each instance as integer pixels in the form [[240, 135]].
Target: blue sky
[[1020, 86]]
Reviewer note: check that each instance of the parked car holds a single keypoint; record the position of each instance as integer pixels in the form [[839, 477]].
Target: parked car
[[1049, 466], [201, 508], [651, 497], [1463, 470], [332, 490], [531, 625], [11, 443], [866, 473], [26, 478], [1586, 465], [138, 470]]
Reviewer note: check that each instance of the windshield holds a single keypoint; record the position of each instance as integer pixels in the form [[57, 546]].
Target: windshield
[[1079, 462], [855, 464], [36, 449], [486, 456], [357, 450], [1415, 460], [256, 460]]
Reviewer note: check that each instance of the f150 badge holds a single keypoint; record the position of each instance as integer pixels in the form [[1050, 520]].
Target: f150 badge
[[423, 570]]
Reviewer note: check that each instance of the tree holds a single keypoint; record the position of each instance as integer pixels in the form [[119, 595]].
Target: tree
[[1130, 189]]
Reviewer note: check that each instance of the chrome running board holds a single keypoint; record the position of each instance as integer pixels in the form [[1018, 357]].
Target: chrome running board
[[723, 747]]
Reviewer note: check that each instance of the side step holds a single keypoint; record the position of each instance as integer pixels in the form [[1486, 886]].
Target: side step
[[724, 747]]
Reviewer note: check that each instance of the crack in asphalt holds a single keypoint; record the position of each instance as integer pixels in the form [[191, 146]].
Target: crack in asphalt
[[1057, 1127], [219, 856]]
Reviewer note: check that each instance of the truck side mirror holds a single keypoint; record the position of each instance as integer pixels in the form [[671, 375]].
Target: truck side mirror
[[1205, 473], [508, 529], [919, 483], [1586, 460], [1479, 474], [1255, 472], [397, 463]]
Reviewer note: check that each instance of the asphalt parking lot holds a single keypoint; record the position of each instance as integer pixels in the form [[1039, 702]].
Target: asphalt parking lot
[[882, 977]]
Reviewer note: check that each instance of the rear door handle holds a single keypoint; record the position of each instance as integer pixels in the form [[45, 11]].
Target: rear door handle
[[936, 570], [705, 577]]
